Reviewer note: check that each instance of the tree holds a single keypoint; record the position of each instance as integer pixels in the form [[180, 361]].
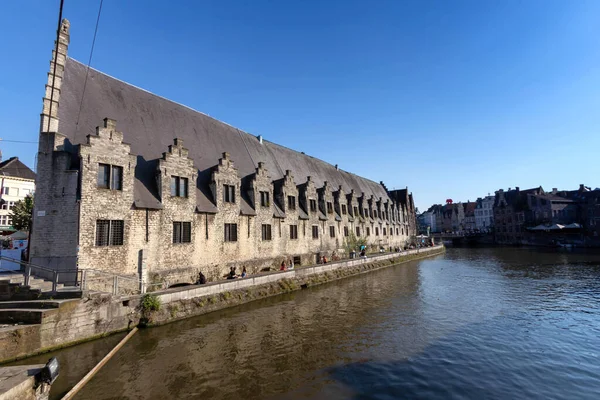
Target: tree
[[21, 214], [352, 243]]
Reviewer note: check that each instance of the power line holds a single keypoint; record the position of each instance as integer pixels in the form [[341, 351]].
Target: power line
[[16, 141], [89, 63]]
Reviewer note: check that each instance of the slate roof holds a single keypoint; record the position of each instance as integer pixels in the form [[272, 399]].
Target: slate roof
[[150, 123], [16, 169]]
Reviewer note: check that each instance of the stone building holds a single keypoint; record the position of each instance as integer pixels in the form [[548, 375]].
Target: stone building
[[510, 209], [132, 183], [484, 213], [18, 182]]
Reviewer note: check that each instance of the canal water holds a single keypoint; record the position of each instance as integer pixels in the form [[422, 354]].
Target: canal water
[[476, 323]]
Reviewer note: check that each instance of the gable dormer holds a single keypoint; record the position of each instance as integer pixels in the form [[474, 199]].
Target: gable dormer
[[225, 184], [176, 174]]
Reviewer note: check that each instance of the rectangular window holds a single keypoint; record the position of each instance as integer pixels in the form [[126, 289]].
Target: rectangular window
[[291, 202], [231, 232], [264, 199], [109, 233], [315, 231], [293, 231], [103, 176], [366, 212], [356, 211], [117, 178], [343, 209], [332, 231], [345, 231], [376, 231], [179, 186], [110, 177], [229, 193], [266, 232], [368, 231], [182, 232], [383, 231], [313, 205], [357, 231], [329, 208]]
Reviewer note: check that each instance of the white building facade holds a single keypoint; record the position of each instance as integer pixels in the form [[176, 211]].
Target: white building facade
[[484, 213], [17, 182]]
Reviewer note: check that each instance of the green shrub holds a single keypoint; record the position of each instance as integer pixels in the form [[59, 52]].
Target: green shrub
[[150, 302]]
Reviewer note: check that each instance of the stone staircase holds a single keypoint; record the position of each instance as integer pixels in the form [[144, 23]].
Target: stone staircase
[[12, 288]]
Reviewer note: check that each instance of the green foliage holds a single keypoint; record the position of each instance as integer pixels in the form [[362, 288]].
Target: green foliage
[[150, 302], [352, 243], [21, 214]]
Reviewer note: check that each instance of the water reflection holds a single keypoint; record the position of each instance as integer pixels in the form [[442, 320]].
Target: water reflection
[[474, 323]]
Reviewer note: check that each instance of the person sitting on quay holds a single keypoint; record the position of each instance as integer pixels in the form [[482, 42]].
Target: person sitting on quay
[[232, 274], [363, 253], [290, 264], [324, 260], [282, 266], [244, 273], [201, 279]]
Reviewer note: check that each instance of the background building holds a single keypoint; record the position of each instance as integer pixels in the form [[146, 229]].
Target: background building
[[18, 181]]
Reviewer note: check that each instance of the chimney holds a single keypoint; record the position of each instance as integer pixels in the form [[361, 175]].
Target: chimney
[[554, 190], [336, 167], [517, 188], [259, 137], [581, 187]]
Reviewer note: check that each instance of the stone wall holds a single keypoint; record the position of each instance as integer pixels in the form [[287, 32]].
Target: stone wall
[[99, 315]]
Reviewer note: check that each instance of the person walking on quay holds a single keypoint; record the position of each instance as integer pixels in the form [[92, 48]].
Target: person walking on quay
[[244, 273]]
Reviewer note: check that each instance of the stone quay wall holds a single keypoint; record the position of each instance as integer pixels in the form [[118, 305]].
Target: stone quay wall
[[98, 315]]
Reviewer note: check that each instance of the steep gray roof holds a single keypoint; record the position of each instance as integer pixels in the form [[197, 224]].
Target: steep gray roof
[[150, 123], [15, 168]]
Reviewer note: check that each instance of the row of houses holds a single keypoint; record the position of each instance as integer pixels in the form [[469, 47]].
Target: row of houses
[[515, 216]]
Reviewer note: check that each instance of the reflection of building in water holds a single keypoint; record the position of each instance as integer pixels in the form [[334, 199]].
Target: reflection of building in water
[[130, 182]]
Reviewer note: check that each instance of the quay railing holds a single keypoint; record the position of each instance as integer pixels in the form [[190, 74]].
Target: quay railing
[[37, 271]]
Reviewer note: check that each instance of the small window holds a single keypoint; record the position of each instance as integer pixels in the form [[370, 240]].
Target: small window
[[264, 199], [103, 176], [315, 231], [291, 202], [293, 231], [179, 186], [391, 231], [384, 231], [313, 205], [329, 208], [109, 233], [368, 231], [345, 231], [229, 193], [366, 212], [231, 232], [182, 232], [356, 211], [344, 212], [266, 232], [332, 231], [357, 231], [110, 177], [376, 231]]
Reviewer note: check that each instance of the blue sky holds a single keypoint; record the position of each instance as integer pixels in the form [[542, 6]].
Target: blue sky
[[453, 99]]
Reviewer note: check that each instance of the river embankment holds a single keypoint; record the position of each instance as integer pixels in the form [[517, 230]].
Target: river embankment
[[98, 314]]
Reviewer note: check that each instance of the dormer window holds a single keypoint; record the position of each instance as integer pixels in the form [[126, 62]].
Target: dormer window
[[229, 193], [291, 203], [344, 209], [110, 177], [313, 205], [264, 199], [179, 186], [329, 208]]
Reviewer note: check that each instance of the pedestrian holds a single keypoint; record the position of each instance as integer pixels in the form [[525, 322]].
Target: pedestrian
[[232, 274], [201, 279], [282, 266], [244, 273], [290, 264], [324, 260]]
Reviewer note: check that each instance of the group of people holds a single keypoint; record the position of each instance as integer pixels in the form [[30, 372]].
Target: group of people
[[233, 274], [285, 267]]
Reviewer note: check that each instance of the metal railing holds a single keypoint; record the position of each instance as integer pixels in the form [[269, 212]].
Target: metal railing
[[37, 271]]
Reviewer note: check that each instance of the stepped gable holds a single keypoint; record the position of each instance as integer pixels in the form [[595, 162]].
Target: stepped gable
[[149, 123]]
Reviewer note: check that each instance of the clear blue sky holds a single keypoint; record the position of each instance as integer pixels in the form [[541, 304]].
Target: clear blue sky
[[453, 99]]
